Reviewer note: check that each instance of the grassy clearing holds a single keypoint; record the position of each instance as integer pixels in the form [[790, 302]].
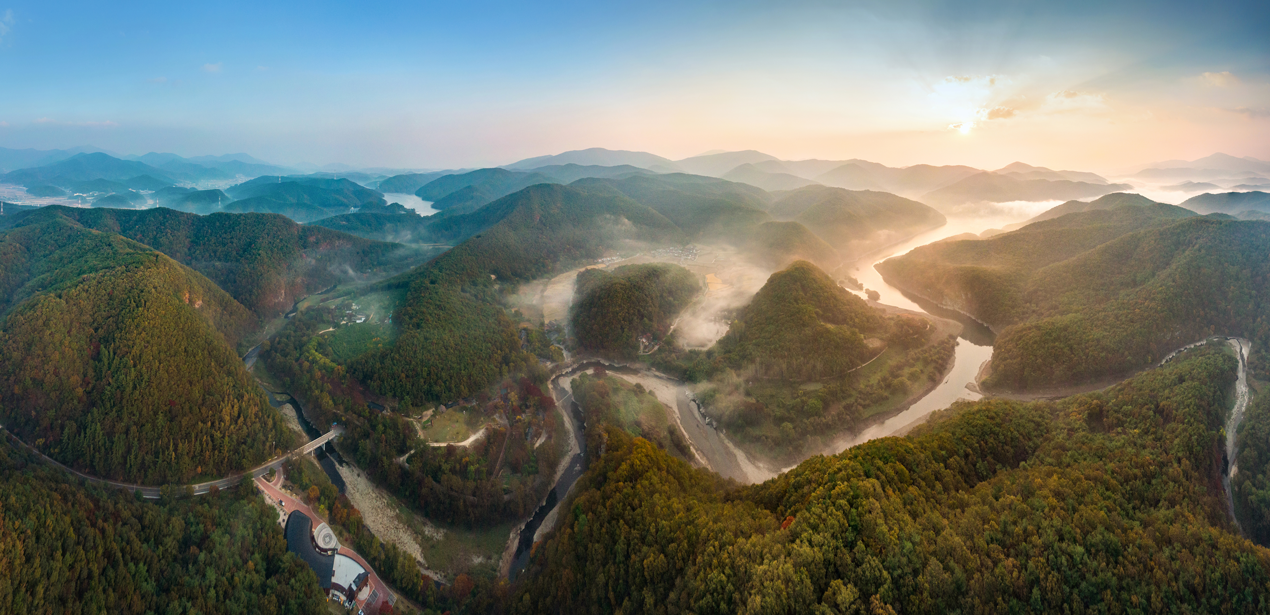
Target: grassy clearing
[[452, 426], [458, 550], [350, 341]]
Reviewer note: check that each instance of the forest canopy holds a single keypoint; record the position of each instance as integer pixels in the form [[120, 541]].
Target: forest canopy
[[1088, 504], [613, 310]]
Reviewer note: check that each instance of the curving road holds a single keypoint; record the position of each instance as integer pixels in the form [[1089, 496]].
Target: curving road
[[152, 493]]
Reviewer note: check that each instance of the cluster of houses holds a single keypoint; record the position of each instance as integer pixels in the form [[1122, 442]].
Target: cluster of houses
[[352, 315], [687, 253]]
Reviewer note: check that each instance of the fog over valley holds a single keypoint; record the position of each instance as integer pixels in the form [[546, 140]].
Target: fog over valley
[[439, 309]]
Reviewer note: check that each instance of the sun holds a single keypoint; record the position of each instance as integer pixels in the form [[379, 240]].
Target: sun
[[965, 127]]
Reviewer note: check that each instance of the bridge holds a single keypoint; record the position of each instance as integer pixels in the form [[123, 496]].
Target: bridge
[[153, 493]]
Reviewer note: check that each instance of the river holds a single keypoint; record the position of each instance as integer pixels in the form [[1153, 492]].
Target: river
[[327, 457], [420, 206], [724, 457], [1242, 348]]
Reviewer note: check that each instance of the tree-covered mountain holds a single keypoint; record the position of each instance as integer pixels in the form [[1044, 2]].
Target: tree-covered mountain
[[595, 156], [69, 547], [1228, 203], [302, 199], [1093, 503], [454, 337], [1092, 295], [1022, 170], [999, 188], [408, 183], [83, 167], [266, 262], [854, 222], [612, 310], [908, 181], [767, 180], [801, 323], [120, 200], [1109, 201], [119, 361]]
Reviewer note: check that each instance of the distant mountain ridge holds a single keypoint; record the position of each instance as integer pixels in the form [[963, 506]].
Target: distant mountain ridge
[[997, 188], [594, 156]]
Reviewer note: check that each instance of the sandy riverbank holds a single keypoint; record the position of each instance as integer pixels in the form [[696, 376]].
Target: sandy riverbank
[[381, 517]]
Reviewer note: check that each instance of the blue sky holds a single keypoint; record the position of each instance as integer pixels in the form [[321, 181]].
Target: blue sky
[[463, 84]]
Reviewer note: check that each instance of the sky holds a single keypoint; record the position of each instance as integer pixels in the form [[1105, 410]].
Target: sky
[[1074, 85]]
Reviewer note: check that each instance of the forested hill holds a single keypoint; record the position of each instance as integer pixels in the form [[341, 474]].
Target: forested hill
[[72, 548], [801, 325], [265, 261], [1090, 504], [613, 309], [1110, 201], [984, 277], [854, 222], [1080, 298], [454, 335], [119, 361]]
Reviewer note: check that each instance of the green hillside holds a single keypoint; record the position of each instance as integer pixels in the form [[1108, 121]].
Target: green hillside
[[119, 361], [1090, 504], [1229, 202], [612, 310], [984, 278], [265, 262], [854, 222], [1110, 201], [775, 244], [71, 548], [705, 208], [124, 200], [454, 335], [302, 199], [81, 168], [1098, 294], [999, 188], [495, 181], [801, 325], [408, 183]]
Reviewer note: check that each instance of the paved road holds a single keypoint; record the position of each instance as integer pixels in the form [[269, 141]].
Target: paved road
[[198, 488]]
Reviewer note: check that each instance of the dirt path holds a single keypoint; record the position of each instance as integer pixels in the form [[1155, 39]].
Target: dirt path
[[468, 442]]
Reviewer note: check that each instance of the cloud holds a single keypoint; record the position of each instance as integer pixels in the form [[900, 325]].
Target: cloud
[[48, 121], [1001, 113], [1223, 79], [1252, 114], [4, 124], [213, 68], [158, 80], [1065, 101], [6, 23]]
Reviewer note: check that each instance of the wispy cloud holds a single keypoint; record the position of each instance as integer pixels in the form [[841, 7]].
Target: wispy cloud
[[1001, 113], [4, 124], [1223, 79], [1252, 114], [213, 68], [6, 24], [48, 121], [158, 80]]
